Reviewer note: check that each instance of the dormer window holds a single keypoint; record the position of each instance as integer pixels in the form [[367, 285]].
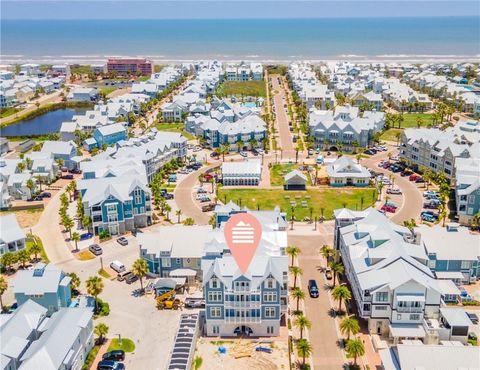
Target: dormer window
[[214, 283], [270, 283]]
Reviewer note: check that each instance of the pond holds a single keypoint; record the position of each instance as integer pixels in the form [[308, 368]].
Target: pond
[[45, 124]]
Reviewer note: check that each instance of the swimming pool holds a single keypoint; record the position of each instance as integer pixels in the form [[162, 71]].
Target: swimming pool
[[250, 105]]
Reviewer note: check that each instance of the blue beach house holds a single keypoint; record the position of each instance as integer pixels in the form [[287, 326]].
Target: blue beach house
[[110, 134]]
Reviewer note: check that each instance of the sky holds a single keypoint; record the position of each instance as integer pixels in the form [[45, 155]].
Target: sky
[[231, 9]]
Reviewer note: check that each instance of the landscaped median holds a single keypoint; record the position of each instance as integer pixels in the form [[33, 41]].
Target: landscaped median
[[309, 203]]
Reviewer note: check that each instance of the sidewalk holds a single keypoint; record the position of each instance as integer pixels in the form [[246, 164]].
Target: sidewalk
[[101, 352]]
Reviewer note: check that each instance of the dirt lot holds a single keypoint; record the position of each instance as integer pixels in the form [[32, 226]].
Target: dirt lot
[[207, 349], [26, 218]]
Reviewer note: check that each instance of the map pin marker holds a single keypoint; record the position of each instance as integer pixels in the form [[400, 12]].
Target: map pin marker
[[242, 234]]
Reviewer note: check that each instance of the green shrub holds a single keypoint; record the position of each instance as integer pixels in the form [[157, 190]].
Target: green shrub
[[90, 357], [104, 234], [103, 308]]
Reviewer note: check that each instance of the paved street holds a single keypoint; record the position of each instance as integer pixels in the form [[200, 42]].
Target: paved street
[[282, 119], [323, 334]]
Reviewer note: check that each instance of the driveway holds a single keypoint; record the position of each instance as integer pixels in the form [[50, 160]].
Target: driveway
[[184, 196], [281, 120], [323, 334], [412, 195]]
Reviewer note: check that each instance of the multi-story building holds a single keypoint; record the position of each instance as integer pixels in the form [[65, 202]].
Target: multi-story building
[[130, 66], [393, 287], [44, 284], [31, 340], [109, 135], [242, 173], [250, 303], [467, 188]]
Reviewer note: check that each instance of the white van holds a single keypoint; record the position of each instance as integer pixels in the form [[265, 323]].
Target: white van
[[117, 266]]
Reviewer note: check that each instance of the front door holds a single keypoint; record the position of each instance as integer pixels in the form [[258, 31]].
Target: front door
[[113, 229]]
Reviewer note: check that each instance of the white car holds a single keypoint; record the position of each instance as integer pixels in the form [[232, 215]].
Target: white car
[[395, 158], [243, 154], [386, 181], [394, 191]]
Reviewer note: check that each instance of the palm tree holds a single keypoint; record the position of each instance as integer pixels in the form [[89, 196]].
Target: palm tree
[[304, 350], [349, 326], [355, 348], [178, 212], [30, 185], [39, 180], [76, 239], [139, 269], [295, 271], [23, 257], [298, 294], [3, 289], [225, 148], [337, 269], [397, 136], [35, 249], [68, 223], [341, 293], [293, 252], [240, 144], [327, 251], [94, 287], [302, 323], [167, 209], [86, 222], [21, 166], [101, 330], [74, 281], [8, 259]]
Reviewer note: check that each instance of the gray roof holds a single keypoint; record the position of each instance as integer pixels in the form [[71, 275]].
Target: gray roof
[[40, 280], [456, 316], [11, 231]]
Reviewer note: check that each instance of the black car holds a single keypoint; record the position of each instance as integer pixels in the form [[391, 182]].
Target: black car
[[45, 194], [110, 365], [370, 151], [122, 241], [67, 177], [117, 355], [473, 317], [214, 154], [313, 288], [131, 278], [95, 249]]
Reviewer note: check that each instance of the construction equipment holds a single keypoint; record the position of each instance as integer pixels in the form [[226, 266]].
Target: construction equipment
[[167, 301]]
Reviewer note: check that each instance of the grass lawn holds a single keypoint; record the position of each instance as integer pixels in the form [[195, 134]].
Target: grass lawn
[[174, 127], [278, 171], [8, 112], [26, 217], [242, 88], [410, 119], [127, 345], [390, 135], [85, 255], [31, 239], [104, 273], [328, 199], [107, 90]]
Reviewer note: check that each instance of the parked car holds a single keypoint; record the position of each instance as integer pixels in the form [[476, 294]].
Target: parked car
[[369, 152], [243, 154], [430, 194], [122, 275], [388, 208], [122, 241], [405, 173], [328, 274], [117, 355], [427, 217], [45, 194], [195, 303], [214, 154], [313, 288], [117, 266], [412, 177], [394, 191], [204, 199], [473, 317], [260, 151], [386, 181], [432, 204], [95, 249], [310, 151], [419, 179], [86, 236], [130, 278], [67, 177], [294, 139], [201, 191], [395, 168], [208, 207], [110, 365]]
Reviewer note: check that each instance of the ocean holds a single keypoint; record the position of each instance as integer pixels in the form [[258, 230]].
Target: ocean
[[265, 40]]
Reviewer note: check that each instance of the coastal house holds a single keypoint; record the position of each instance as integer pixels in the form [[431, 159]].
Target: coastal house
[[44, 284], [116, 204], [295, 180], [83, 94], [461, 264], [12, 238], [251, 303], [4, 146], [61, 150], [393, 287], [174, 251], [5, 198], [109, 135], [247, 172], [467, 188], [345, 172]]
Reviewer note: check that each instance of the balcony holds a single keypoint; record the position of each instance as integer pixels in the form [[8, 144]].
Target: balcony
[[409, 309], [239, 319], [242, 304]]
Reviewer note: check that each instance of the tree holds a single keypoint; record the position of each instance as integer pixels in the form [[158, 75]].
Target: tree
[[35, 249], [68, 223], [86, 222], [30, 185], [302, 323], [225, 149], [23, 257], [410, 224], [139, 269], [74, 282], [304, 349], [101, 330], [341, 293], [349, 326], [3, 289], [76, 239], [298, 294], [21, 166], [189, 221], [8, 259], [397, 136], [178, 212], [337, 269], [167, 209], [64, 200], [327, 251], [240, 144], [293, 252], [355, 348], [295, 271], [94, 287]]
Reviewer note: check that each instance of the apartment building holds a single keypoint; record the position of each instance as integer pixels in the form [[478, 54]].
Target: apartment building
[[387, 270], [252, 303], [130, 66]]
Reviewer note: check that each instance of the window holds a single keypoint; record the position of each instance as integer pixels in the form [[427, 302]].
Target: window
[[215, 312], [214, 283], [215, 296], [270, 312], [431, 264], [137, 196], [471, 199], [399, 316], [111, 207], [381, 297], [414, 316], [381, 308], [465, 265], [269, 329], [270, 297], [215, 329], [178, 261], [166, 262], [270, 283]]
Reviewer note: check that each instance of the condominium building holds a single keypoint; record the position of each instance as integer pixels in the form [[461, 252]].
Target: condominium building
[[130, 66]]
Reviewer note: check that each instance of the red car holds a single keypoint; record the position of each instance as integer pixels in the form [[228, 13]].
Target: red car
[[413, 177], [388, 208]]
